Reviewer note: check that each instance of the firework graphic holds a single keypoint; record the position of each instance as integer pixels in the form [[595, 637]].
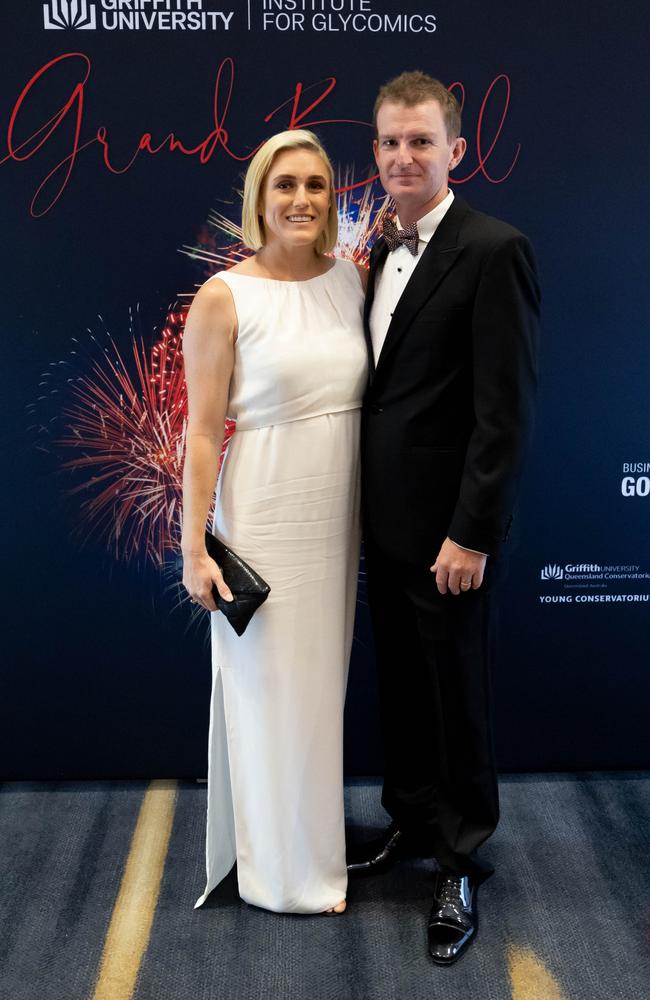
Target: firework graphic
[[126, 416], [361, 217], [361, 213]]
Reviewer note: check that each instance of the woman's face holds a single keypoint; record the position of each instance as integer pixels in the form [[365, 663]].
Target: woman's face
[[295, 198]]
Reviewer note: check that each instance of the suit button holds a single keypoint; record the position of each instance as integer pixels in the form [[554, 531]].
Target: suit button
[[376, 409]]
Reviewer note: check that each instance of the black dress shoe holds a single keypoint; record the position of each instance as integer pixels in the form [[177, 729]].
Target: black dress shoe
[[377, 855], [453, 923]]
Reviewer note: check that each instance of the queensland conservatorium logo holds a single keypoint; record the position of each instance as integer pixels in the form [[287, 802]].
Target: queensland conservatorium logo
[[552, 572], [60, 14]]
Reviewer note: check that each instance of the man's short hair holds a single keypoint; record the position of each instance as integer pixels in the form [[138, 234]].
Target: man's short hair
[[415, 87]]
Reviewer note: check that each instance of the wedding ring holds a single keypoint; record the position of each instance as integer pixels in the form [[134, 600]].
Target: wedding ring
[[465, 584]]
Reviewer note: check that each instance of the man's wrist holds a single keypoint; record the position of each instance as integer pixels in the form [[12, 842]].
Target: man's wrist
[[466, 549]]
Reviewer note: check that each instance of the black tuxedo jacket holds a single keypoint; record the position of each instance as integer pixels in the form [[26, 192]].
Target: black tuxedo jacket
[[448, 411]]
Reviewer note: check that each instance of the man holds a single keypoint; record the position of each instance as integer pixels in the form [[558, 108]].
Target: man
[[452, 324]]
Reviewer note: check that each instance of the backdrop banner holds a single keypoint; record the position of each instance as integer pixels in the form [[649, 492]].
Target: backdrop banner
[[125, 129]]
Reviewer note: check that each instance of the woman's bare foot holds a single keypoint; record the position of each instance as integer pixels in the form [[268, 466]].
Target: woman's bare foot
[[339, 908]]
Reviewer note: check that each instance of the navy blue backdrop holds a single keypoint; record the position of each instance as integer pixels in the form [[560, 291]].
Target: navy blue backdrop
[[109, 224]]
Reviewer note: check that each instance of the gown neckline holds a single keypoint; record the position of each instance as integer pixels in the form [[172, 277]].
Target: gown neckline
[[281, 281]]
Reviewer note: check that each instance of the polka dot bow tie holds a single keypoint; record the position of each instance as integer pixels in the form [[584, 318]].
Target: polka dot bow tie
[[395, 237]]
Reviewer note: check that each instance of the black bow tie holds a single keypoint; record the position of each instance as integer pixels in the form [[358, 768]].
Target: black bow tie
[[395, 237]]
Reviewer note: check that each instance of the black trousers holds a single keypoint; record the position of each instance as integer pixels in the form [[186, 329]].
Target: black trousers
[[433, 655]]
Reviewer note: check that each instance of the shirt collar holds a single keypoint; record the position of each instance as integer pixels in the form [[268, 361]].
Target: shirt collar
[[428, 224]]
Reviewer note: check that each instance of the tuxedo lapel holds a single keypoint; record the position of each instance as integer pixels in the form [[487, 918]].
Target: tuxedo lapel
[[377, 257], [438, 257]]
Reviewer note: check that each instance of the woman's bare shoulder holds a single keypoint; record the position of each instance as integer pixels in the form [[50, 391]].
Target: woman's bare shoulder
[[212, 311], [248, 265], [214, 290]]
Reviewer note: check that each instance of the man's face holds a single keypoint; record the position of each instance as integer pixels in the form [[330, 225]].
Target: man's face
[[414, 156]]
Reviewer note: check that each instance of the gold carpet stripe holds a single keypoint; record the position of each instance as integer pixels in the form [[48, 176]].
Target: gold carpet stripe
[[133, 913], [529, 977]]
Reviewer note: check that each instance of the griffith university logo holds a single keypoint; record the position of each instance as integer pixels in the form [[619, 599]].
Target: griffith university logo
[[69, 14], [552, 572]]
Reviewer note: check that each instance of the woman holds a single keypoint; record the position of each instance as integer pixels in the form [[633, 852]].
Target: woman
[[276, 343]]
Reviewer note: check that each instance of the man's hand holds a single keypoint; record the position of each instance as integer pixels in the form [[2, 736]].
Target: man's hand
[[458, 569]]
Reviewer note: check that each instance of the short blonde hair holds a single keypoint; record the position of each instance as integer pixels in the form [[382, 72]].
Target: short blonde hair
[[252, 223]]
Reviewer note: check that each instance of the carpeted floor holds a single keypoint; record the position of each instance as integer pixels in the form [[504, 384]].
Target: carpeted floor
[[566, 917]]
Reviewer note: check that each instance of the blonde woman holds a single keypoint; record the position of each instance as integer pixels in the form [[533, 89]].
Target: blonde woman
[[277, 344]]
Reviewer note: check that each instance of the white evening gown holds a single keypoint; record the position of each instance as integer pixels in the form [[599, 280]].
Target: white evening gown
[[288, 503]]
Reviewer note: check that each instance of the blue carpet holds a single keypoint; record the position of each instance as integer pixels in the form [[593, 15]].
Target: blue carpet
[[572, 888]]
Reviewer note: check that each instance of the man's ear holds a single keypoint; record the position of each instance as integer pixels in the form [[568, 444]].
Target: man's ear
[[375, 150], [458, 152]]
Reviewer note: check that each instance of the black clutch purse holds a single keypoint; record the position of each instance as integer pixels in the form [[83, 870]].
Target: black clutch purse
[[247, 587]]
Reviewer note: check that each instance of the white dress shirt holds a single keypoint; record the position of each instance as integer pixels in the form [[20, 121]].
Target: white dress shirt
[[394, 277], [398, 268]]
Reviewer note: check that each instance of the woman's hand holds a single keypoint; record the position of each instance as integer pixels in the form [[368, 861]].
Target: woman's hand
[[200, 572]]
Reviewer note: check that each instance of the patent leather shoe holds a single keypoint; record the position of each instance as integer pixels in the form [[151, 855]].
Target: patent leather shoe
[[453, 923], [378, 855]]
